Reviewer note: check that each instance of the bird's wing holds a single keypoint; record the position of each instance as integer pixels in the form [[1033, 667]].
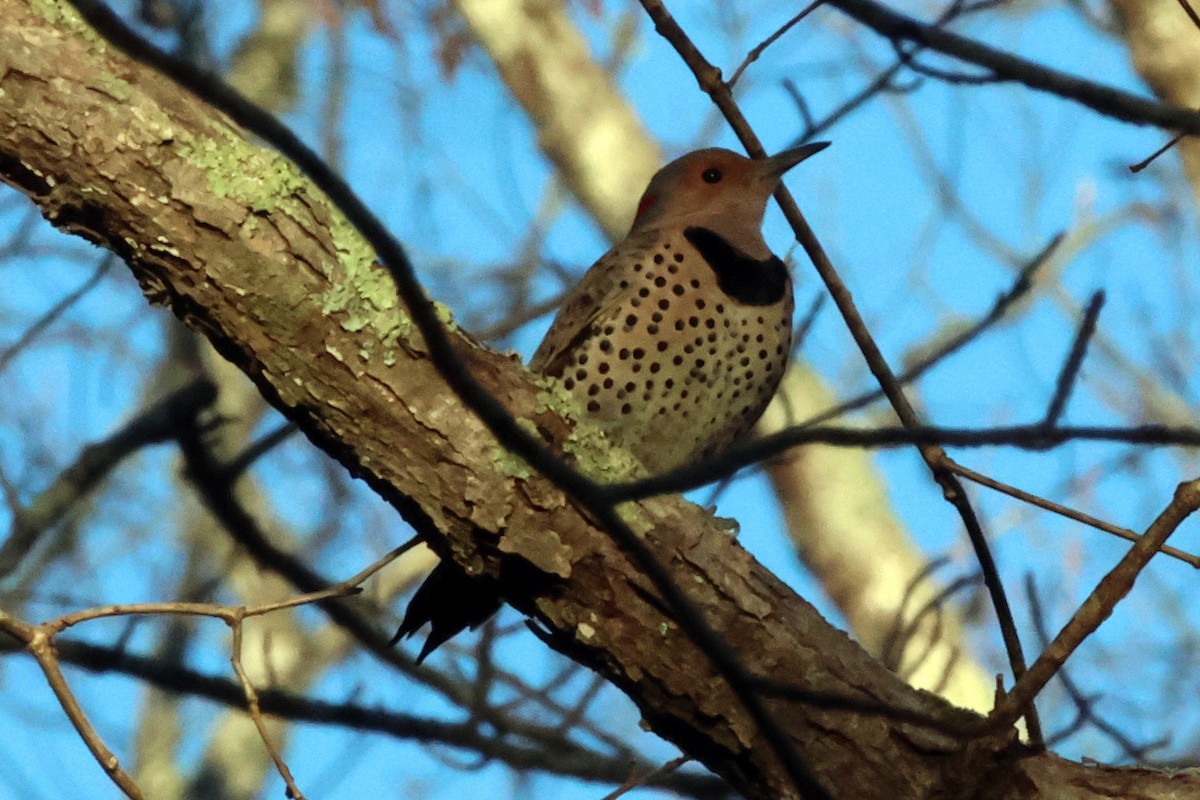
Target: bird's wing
[[594, 298]]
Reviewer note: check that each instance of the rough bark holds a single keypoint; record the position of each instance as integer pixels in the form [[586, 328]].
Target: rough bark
[[234, 765], [237, 244]]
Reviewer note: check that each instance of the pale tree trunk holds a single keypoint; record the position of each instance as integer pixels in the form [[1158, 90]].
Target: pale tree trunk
[[1164, 44], [1164, 47]]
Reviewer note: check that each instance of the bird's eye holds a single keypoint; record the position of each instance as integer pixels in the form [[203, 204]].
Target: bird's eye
[[711, 175]]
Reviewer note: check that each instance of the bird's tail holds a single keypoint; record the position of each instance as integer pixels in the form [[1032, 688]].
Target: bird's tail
[[450, 601]]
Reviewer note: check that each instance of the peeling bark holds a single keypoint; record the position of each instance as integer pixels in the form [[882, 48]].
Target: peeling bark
[[237, 244]]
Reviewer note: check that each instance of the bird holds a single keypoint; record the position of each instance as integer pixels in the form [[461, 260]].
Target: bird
[[673, 342]]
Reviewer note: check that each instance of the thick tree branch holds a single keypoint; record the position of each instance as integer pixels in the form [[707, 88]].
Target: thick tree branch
[[452, 367], [242, 247], [284, 288]]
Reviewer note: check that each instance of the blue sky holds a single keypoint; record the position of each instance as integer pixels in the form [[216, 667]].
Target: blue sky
[[453, 167]]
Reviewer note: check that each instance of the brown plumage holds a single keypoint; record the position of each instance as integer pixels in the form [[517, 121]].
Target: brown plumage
[[674, 341]]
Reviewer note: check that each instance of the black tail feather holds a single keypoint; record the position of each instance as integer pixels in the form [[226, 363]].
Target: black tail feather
[[450, 601]]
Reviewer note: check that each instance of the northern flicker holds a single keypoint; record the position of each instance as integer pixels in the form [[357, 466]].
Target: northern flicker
[[673, 342]]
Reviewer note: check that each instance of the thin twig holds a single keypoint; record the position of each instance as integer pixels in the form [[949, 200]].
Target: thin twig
[[255, 711], [754, 54], [1098, 606], [1027, 437], [1083, 705], [155, 424], [552, 753], [1067, 377], [231, 615], [39, 642], [260, 447], [1150, 159], [904, 631], [636, 782], [55, 311], [1191, 12], [907, 55], [1069, 513], [1024, 283]]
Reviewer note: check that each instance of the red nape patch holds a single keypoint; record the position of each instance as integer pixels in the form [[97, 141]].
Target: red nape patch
[[646, 201]]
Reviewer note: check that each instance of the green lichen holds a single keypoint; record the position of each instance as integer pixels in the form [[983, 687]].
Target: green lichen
[[508, 462], [115, 87], [445, 316], [384, 350], [555, 398], [154, 125], [65, 18], [352, 248], [636, 517], [389, 357], [595, 455], [241, 171], [362, 291], [361, 295], [598, 458]]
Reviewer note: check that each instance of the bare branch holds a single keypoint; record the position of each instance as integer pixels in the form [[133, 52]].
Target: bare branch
[[39, 642], [1070, 371], [1099, 605], [761, 47], [1083, 705], [544, 747], [1069, 513], [1103, 99]]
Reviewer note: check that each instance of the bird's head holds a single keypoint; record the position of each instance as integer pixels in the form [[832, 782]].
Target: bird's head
[[719, 190]]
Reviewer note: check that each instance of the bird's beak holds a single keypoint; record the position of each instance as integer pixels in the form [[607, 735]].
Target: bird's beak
[[780, 163]]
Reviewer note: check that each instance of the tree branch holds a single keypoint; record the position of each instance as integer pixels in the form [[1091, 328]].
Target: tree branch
[[244, 249], [1105, 100]]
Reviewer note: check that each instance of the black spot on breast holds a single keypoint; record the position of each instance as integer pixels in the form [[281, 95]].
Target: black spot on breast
[[746, 280]]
